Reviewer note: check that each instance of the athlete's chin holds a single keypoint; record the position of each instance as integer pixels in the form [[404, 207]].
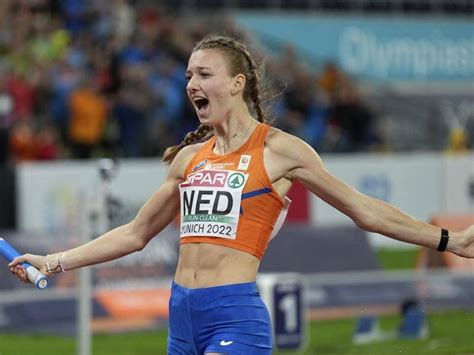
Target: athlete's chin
[[206, 120]]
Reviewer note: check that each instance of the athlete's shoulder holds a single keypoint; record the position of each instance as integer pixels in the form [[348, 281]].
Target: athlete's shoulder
[[288, 151], [183, 158], [191, 150], [281, 141]]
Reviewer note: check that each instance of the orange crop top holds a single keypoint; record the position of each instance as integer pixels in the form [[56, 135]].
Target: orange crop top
[[229, 199]]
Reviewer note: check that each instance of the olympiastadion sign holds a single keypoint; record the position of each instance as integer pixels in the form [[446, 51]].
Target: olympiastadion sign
[[362, 51], [381, 48]]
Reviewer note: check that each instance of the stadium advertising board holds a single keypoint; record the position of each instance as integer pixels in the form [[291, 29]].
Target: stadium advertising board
[[412, 182], [49, 195], [390, 48]]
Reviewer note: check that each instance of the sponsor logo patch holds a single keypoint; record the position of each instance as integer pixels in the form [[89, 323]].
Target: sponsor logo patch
[[200, 165], [244, 162]]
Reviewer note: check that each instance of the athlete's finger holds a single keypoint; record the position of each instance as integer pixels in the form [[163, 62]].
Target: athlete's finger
[[18, 260]]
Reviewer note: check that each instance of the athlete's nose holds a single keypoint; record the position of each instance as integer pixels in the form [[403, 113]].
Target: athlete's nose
[[192, 85]]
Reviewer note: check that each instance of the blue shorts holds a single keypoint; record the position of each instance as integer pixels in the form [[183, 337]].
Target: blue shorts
[[230, 319]]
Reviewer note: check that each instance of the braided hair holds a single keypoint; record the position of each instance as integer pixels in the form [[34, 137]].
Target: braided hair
[[240, 62]]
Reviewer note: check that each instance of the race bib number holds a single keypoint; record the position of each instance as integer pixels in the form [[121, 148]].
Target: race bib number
[[210, 203]]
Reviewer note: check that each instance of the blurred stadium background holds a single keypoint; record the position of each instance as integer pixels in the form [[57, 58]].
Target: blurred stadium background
[[383, 89]]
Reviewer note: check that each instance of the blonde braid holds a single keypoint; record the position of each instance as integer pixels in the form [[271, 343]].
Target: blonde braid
[[253, 79], [254, 92], [192, 137]]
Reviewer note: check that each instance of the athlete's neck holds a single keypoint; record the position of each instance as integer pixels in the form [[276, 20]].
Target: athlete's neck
[[232, 134]]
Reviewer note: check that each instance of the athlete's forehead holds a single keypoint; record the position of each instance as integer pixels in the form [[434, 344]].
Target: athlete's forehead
[[211, 58]]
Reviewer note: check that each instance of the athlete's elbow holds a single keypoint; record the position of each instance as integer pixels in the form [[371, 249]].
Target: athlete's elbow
[[136, 237], [368, 222], [140, 244], [367, 215]]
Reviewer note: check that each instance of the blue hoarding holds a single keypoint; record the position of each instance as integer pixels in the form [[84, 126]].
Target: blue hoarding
[[381, 48]]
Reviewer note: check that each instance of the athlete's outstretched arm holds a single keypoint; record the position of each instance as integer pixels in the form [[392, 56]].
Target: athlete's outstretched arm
[[302, 163], [152, 217]]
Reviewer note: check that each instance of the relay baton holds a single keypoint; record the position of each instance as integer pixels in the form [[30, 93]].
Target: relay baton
[[36, 277]]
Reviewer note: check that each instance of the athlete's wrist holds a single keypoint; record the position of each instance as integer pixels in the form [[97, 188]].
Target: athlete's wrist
[[455, 242], [54, 263]]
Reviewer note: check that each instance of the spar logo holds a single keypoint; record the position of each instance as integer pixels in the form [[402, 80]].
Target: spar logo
[[236, 180], [207, 178]]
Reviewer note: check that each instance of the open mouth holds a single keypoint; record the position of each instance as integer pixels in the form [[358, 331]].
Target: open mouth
[[201, 104]]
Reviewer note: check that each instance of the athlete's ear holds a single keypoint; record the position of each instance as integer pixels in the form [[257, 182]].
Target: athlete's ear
[[238, 84]]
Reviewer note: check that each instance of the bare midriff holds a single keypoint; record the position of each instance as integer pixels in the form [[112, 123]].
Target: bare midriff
[[206, 265]]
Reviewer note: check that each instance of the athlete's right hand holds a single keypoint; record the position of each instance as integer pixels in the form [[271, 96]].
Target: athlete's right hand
[[464, 244], [37, 261]]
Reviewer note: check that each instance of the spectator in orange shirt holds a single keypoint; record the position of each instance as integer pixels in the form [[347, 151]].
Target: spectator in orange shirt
[[87, 116], [331, 78]]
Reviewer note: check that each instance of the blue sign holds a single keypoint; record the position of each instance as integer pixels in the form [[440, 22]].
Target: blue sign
[[288, 318], [382, 48], [376, 185]]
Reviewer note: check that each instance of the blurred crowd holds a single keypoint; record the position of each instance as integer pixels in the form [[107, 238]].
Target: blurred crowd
[[82, 79]]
